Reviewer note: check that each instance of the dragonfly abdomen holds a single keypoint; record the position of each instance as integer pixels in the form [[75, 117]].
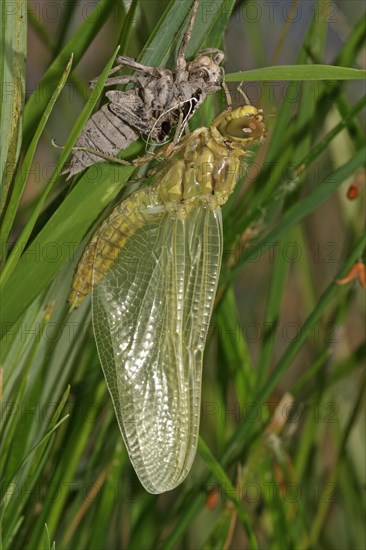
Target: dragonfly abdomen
[[106, 244], [104, 132]]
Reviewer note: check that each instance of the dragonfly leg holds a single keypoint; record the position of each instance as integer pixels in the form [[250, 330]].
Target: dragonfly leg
[[178, 132], [104, 156], [228, 98], [182, 126], [243, 94], [129, 63], [181, 59], [218, 54], [117, 81]]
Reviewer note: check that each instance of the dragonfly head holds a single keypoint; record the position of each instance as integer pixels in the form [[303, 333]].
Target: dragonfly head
[[206, 71], [241, 125]]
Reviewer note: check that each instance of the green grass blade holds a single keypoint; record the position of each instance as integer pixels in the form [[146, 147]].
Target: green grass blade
[[298, 72], [354, 43], [229, 489], [79, 124], [47, 540], [313, 318], [41, 30], [278, 281], [301, 210], [241, 434], [47, 350], [13, 42], [22, 175], [324, 501], [127, 26], [76, 46]]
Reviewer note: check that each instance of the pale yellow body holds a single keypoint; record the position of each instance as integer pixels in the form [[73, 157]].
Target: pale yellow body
[[202, 172], [154, 266]]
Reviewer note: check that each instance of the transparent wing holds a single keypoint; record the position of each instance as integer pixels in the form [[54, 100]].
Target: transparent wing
[[151, 314]]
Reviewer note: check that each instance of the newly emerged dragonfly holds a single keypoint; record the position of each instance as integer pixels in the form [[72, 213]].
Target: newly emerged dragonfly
[[154, 266]]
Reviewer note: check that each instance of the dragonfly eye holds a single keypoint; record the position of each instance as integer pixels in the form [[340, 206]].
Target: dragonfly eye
[[248, 127], [203, 73]]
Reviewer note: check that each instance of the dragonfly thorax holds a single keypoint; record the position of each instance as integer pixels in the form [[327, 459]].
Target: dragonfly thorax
[[205, 170]]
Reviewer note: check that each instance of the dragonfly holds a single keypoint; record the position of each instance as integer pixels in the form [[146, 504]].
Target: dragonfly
[[153, 268], [156, 102]]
